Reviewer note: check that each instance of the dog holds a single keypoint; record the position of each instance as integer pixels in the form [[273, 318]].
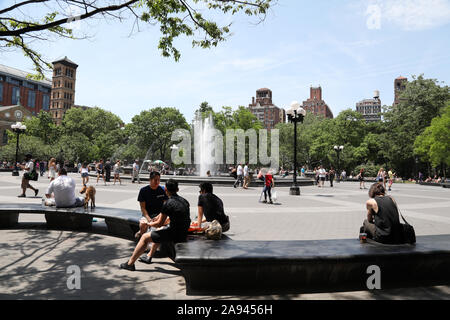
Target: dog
[[90, 196]]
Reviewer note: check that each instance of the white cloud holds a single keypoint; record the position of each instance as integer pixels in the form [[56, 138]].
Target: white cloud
[[410, 15]]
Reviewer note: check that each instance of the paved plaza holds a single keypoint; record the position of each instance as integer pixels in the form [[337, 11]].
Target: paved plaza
[[34, 261]]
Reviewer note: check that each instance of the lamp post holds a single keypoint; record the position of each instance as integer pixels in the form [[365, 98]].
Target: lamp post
[[18, 128], [338, 150], [295, 114]]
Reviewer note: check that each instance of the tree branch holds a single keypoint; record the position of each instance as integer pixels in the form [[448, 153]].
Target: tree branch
[[17, 5], [65, 20]]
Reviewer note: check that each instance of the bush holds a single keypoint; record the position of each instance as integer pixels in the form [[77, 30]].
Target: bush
[[370, 169]]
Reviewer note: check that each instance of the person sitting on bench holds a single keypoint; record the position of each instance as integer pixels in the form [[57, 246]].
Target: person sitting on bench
[[383, 220], [63, 189], [177, 209], [210, 207]]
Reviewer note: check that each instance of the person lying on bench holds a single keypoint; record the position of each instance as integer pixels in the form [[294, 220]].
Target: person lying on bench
[[210, 208], [177, 209], [63, 189], [383, 221]]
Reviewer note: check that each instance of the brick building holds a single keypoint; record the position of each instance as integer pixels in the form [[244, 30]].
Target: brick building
[[55, 96], [370, 108], [63, 88], [399, 87], [17, 89], [316, 104], [264, 109]]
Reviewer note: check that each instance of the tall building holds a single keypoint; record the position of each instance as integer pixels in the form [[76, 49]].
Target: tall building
[[316, 104], [63, 88], [264, 109], [370, 108], [16, 89], [399, 87]]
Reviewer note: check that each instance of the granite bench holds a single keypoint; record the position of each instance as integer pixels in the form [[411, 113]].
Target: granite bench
[[269, 267], [120, 222]]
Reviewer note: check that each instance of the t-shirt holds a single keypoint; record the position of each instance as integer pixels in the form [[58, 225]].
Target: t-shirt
[[135, 167], [268, 180], [322, 173], [212, 208], [64, 189], [246, 171], [154, 199], [29, 164], [239, 170], [178, 210]]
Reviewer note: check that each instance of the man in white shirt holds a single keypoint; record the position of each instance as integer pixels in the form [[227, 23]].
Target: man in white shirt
[[63, 188], [246, 177], [136, 172], [322, 176], [239, 173]]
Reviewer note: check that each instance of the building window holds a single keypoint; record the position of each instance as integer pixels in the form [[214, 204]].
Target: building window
[[45, 102], [57, 71], [15, 95], [31, 99], [1, 91]]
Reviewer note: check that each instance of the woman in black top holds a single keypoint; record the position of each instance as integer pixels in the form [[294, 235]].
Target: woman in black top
[[383, 221]]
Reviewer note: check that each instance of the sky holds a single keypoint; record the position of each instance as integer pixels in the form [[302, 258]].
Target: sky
[[349, 47]]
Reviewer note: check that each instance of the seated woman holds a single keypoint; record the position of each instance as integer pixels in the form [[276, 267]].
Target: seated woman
[[383, 220]]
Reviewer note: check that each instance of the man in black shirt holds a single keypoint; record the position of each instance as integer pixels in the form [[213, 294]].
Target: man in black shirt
[[210, 207], [177, 209]]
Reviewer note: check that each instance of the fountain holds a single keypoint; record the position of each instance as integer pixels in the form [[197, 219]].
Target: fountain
[[204, 144]]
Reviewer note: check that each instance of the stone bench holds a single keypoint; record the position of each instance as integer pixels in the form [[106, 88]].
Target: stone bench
[[268, 267], [120, 222]]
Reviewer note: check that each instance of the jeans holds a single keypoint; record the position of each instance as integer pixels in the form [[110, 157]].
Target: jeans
[[238, 181], [268, 190]]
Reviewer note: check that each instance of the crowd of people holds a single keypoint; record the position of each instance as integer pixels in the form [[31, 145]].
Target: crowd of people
[[166, 214]]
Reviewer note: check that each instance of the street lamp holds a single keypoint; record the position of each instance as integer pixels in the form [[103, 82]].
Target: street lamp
[[338, 150], [295, 114], [18, 128]]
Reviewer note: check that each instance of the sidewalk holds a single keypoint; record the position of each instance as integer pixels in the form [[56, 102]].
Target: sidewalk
[[34, 261]]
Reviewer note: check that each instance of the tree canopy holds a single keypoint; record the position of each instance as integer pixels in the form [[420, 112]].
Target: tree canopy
[[28, 21]]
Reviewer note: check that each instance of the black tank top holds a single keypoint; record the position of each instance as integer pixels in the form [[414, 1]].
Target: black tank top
[[387, 222]]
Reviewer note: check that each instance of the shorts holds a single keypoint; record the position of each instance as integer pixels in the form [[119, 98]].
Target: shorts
[[99, 171], [169, 235], [84, 175], [322, 178]]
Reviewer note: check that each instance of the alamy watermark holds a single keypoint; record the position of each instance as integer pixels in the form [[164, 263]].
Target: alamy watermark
[[374, 281], [74, 280]]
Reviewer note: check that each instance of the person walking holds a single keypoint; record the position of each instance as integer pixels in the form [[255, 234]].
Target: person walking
[[391, 179], [360, 177], [108, 170], [136, 172], [52, 169], [269, 183], [29, 172], [84, 171], [322, 176], [331, 174], [239, 177], [117, 172], [246, 177], [101, 171]]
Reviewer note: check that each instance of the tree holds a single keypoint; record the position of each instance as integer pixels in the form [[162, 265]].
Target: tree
[[18, 28], [152, 129], [42, 126], [422, 100], [434, 143]]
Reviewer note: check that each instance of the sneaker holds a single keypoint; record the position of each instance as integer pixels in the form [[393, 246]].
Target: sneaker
[[21, 196], [126, 266], [270, 202], [145, 259], [36, 192], [265, 201]]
